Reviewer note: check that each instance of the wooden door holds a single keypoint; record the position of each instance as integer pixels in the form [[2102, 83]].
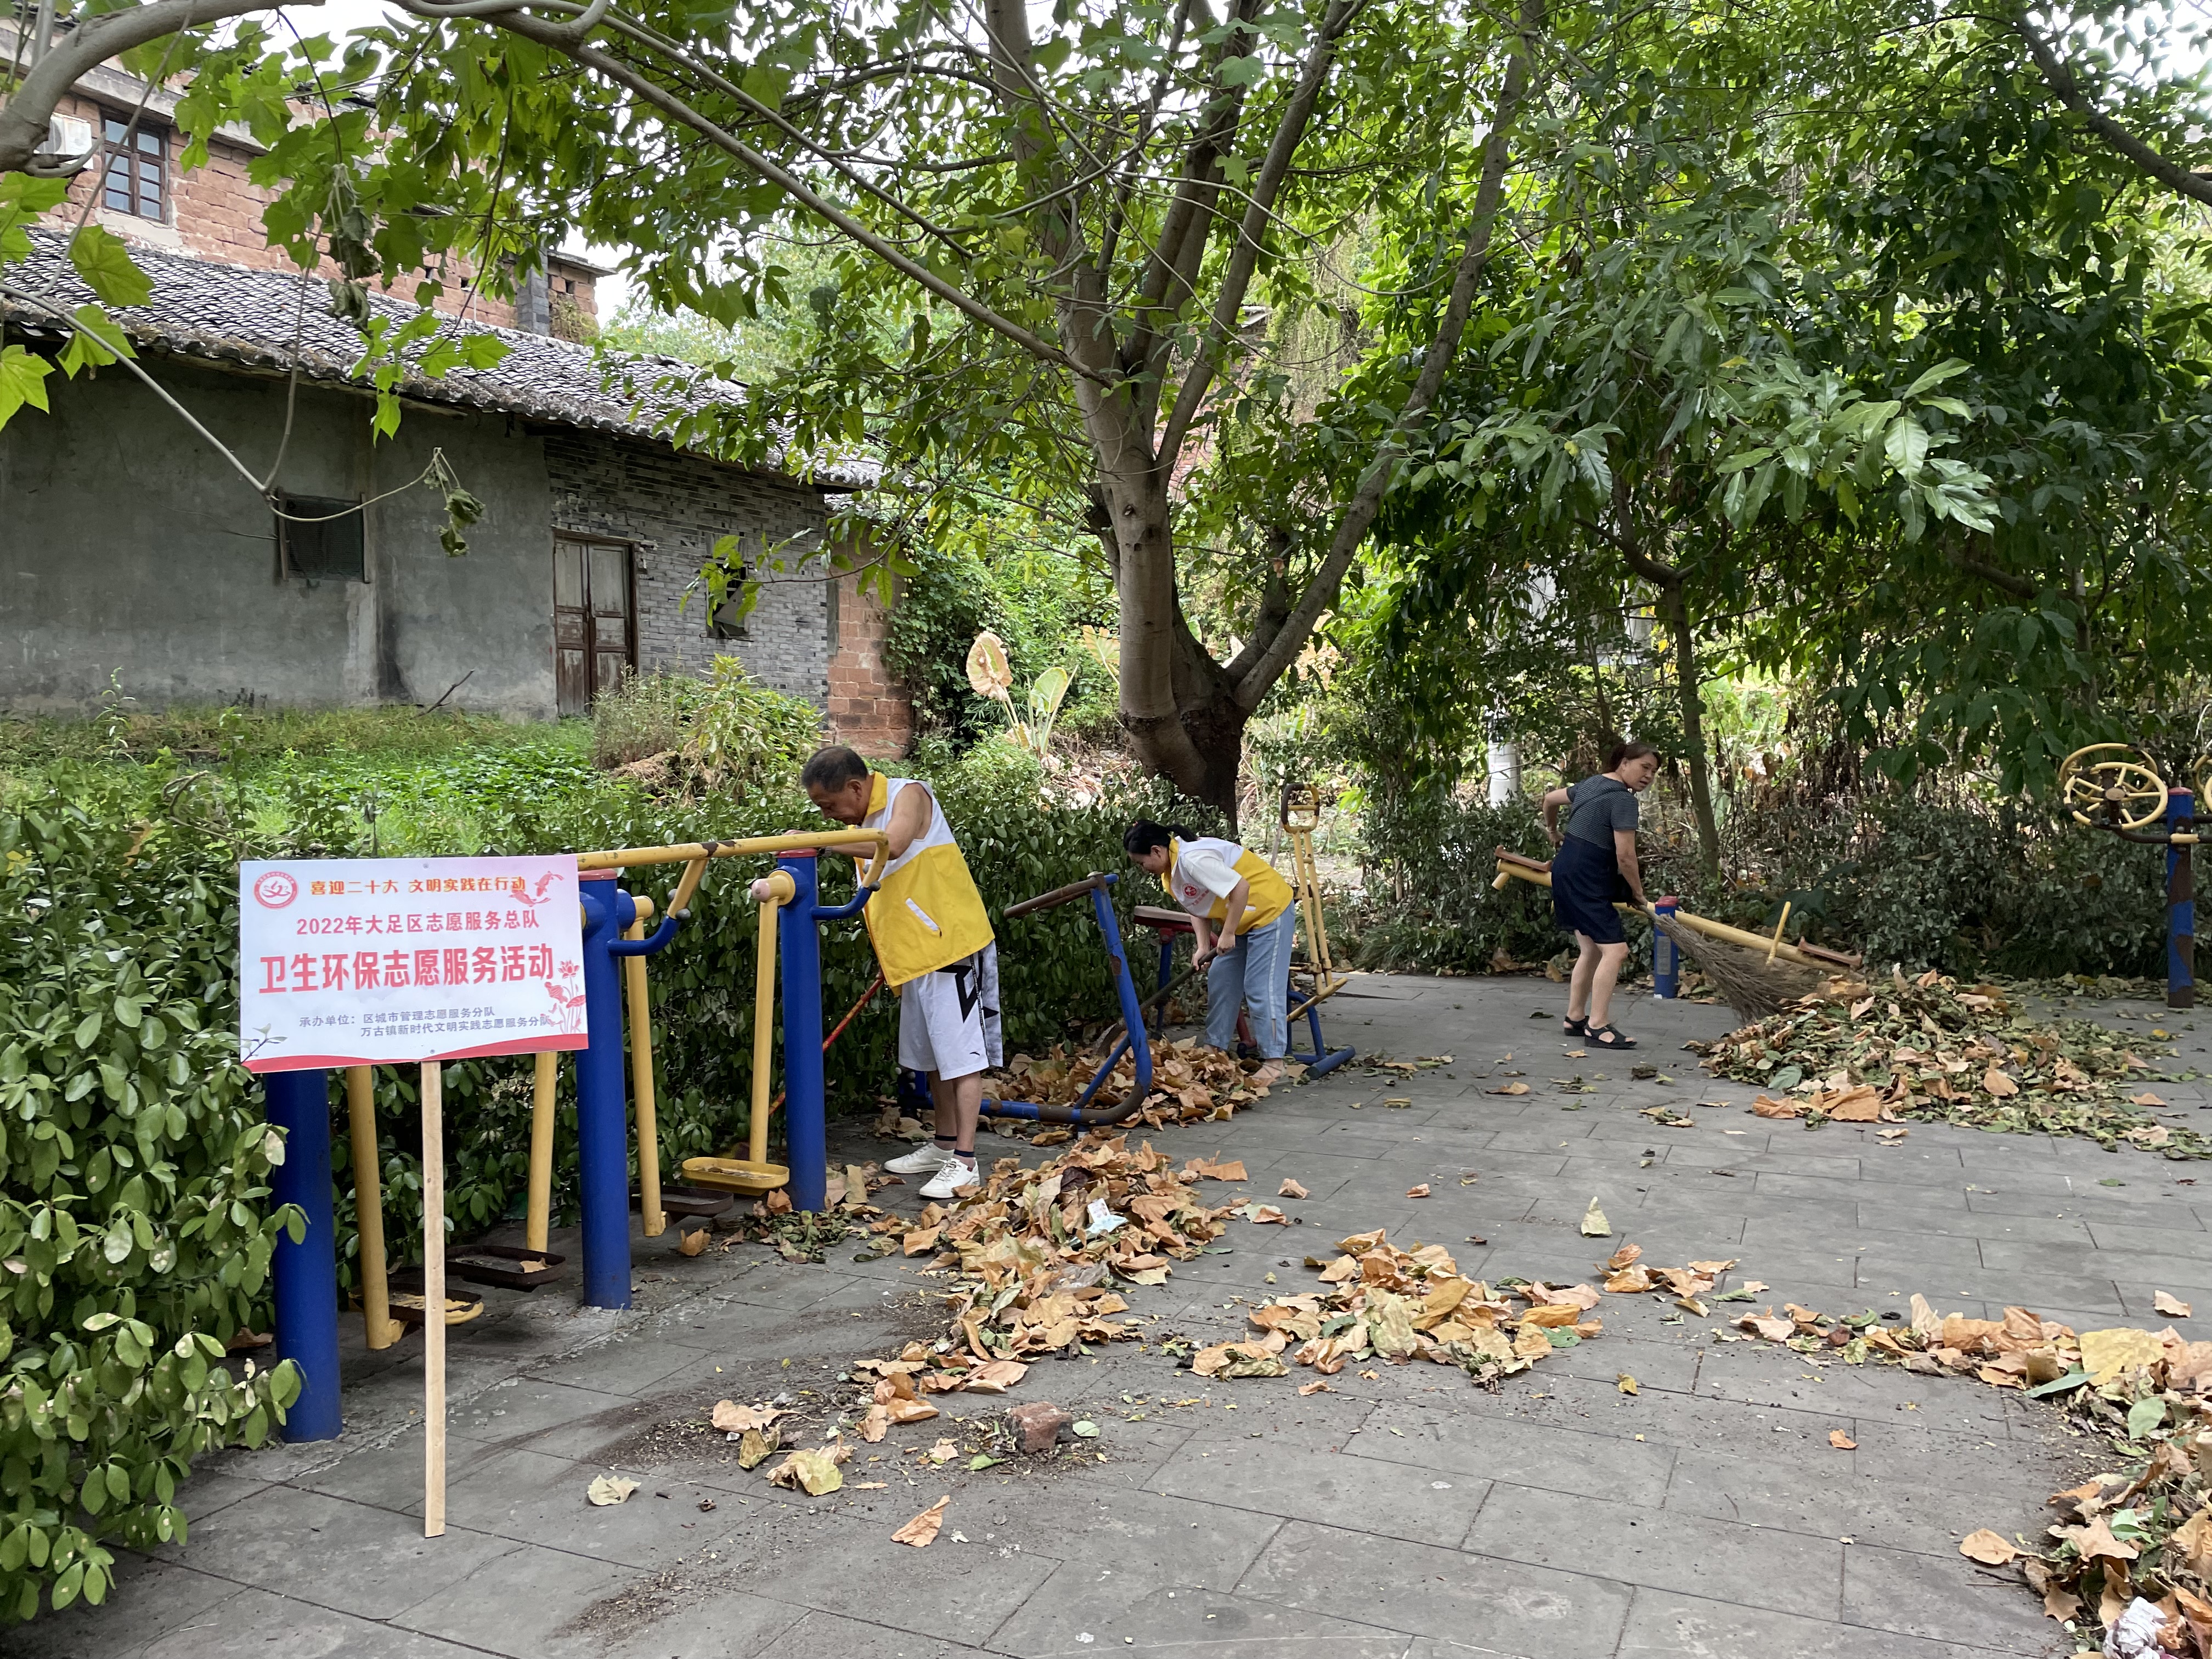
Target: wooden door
[[594, 619]]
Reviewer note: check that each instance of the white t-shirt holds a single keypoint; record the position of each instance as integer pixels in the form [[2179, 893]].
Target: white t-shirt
[[1207, 863]]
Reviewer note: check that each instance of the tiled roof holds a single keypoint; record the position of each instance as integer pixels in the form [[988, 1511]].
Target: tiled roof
[[230, 313]]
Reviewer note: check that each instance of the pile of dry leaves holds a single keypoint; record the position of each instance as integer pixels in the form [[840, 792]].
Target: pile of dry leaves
[[1382, 1302], [1034, 1255], [2144, 1530], [1191, 1083], [1925, 1050]]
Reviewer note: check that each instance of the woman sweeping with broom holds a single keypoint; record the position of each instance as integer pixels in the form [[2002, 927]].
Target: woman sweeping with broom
[[1594, 866]]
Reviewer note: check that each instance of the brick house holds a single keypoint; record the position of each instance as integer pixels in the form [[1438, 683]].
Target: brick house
[[132, 549]]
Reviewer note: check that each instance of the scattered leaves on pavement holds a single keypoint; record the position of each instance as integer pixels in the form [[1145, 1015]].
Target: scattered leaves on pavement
[[1191, 1083]]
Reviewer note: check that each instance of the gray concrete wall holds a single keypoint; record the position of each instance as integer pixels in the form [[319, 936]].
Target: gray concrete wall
[[126, 544], [674, 509]]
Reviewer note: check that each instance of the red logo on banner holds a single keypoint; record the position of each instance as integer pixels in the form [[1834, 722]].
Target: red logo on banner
[[276, 889]]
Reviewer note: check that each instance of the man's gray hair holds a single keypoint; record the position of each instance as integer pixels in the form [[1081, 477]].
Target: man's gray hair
[[833, 768]]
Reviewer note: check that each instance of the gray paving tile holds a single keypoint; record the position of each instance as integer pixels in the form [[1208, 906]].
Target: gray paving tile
[[526, 1603], [1783, 1571], [1084, 1608], [1669, 1625], [1943, 1599], [1426, 1590], [1358, 1494], [288, 1540]]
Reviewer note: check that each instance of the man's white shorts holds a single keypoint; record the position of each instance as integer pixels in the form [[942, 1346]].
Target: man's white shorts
[[949, 1019]]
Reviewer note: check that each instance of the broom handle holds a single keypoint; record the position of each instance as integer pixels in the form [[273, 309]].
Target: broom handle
[[1511, 867]]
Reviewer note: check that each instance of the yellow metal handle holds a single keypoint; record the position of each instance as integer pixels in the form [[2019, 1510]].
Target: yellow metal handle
[[381, 1328], [699, 851], [538, 1216], [640, 1074], [1776, 943], [781, 890]]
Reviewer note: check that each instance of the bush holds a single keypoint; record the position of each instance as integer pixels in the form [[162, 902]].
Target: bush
[[725, 727], [1436, 855], [135, 1230]]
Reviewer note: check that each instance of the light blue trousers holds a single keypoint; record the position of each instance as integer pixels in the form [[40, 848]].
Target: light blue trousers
[[1256, 976]]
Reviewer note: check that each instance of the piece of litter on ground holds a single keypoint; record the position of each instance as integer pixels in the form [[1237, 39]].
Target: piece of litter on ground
[[609, 1489]]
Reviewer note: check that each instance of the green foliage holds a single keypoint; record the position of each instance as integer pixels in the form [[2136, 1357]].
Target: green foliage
[[1432, 852], [734, 731], [135, 1230]]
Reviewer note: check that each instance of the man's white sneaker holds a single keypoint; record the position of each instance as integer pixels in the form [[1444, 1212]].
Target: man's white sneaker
[[923, 1160], [953, 1177]]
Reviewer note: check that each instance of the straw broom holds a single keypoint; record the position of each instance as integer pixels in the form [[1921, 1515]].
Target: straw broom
[[1758, 976]]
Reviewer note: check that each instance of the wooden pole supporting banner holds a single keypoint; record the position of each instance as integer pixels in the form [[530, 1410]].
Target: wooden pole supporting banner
[[380, 1328], [537, 1217], [433, 1301], [640, 1085]]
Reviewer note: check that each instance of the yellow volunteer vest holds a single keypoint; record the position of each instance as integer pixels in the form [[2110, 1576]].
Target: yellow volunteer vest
[[1270, 894], [928, 914]]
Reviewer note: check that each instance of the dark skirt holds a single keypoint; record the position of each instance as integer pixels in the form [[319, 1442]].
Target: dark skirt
[[1586, 879]]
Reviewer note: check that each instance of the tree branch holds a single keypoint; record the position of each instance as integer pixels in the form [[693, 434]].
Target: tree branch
[[1259, 208], [676, 109], [25, 118], [2198, 187], [1358, 516], [2018, 586]]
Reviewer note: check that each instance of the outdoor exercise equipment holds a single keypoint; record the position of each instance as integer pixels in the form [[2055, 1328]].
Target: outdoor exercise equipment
[[2114, 788], [789, 928], [1300, 816], [1133, 1039]]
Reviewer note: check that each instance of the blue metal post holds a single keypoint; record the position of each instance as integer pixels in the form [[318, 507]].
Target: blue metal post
[[1666, 962], [307, 1274], [602, 1119], [805, 1113], [2180, 903]]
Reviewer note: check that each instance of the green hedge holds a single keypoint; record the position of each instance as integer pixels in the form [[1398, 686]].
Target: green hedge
[[135, 1230]]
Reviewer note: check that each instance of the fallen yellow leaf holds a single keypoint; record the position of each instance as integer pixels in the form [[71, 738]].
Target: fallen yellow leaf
[[1990, 1549], [1511, 1089], [1421, 1191], [692, 1244], [609, 1489], [1595, 1225], [731, 1418], [2172, 1307], [921, 1531], [2146, 1098], [1841, 1441], [1290, 1189], [1626, 1384], [2000, 1085]]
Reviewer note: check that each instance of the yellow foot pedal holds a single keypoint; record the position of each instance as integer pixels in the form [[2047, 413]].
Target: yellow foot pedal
[[408, 1308], [731, 1175]]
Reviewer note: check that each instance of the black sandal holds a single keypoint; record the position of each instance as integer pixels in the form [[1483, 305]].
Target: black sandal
[[1574, 1027], [1606, 1037]]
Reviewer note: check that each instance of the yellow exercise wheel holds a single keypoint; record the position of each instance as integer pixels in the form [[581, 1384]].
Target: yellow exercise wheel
[[2113, 782]]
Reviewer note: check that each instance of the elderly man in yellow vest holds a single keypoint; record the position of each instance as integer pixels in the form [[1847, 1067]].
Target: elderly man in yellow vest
[[1244, 919], [935, 944]]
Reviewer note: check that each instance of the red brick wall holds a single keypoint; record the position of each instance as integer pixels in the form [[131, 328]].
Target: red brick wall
[[868, 709], [214, 213]]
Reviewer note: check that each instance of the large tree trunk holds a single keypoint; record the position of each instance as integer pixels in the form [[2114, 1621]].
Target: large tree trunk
[[1676, 609]]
